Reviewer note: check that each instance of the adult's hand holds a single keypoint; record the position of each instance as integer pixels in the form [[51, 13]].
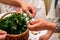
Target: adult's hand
[[41, 24], [19, 3], [28, 9], [2, 35]]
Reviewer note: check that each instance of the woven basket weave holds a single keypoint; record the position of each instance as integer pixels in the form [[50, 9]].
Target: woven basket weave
[[22, 36]]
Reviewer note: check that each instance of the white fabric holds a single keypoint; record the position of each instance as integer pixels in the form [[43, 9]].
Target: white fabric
[[52, 10], [5, 8], [40, 13]]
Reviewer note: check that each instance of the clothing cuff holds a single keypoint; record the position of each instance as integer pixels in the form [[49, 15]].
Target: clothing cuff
[[57, 21]]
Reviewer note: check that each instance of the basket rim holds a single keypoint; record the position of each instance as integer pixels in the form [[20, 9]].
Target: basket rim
[[17, 34], [6, 13]]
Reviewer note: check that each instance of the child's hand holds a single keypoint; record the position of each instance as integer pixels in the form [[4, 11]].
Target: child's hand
[[46, 36], [2, 35]]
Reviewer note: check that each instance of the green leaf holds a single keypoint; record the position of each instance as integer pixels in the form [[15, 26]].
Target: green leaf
[[15, 24]]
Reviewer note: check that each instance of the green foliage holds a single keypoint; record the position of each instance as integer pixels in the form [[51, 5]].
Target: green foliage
[[15, 23]]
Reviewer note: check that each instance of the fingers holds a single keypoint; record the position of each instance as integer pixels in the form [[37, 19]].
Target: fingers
[[18, 10], [2, 34], [32, 22], [32, 11], [27, 11], [35, 27]]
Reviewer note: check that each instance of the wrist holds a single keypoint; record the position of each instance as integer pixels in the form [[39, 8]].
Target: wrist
[[20, 2], [57, 28], [51, 26]]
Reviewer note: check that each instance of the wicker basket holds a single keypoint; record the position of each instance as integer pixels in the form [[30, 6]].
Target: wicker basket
[[22, 36]]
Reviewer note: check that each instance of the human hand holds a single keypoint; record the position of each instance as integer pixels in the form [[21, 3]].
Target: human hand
[[46, 36], [17, 9], [19, 3], [28, 9], [41, 24], [2, 35]]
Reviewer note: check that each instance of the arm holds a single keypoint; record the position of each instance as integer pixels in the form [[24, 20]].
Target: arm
[[46, 36], [42, 24], [25, 6], [12, 2], [55, 24]]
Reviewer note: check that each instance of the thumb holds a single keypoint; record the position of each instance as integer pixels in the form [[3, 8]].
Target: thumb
[[29, 13], [34, 21]]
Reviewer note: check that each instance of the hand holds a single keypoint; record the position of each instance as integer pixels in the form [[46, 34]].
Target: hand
[[18, 9], [19, 3], [41, 24], [46, 36], [28, 9], [2, 35]]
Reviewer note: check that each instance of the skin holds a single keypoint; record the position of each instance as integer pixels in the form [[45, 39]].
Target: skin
[[36, 25], [42, 24], [46, 36], [2, 35], [19, 3], [22, 7]]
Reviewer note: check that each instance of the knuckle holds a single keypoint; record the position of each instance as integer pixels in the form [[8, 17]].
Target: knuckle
[[24, 8]]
